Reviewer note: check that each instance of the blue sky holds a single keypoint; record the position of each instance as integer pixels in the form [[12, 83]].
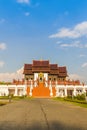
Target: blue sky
[[54, 30]]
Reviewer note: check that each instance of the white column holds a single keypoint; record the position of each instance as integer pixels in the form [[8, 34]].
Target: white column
[[46, 79], [31, 84], [57, 92], [62, 93], [74, 92], [50, 87], [35, 76], [56, 82], [46, 84], [30, 92], [65, 92], [16, 91], [7, 92], [46, 76], [24, 90], [31, 87], [51, 93], [84, 91], [35, 83], [26, 84]]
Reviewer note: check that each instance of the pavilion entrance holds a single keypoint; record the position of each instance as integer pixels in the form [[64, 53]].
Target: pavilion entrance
[[41, 77]]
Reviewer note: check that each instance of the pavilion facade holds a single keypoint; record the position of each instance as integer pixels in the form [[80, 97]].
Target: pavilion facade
[[42, 79], [42, 70]]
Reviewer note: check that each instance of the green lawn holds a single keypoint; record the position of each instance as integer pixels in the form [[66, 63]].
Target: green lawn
[[74, 102], [3, 97], [14, 97]]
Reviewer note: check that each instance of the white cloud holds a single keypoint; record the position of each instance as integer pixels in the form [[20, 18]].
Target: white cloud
[[75, 77], [84, 65], [23, 1], [1, 63], [75, 44], [78, 77], [2, 46], [20, 71], [7, 77], [85, 45], [27, 13], [82, 55], [78, 31], [58, 42]]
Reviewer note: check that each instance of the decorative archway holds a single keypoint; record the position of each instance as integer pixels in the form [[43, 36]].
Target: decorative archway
[[41, 77]]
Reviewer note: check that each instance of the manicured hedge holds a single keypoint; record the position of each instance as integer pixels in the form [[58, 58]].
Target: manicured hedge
[[75, 100], [78, 97], [3, 97]]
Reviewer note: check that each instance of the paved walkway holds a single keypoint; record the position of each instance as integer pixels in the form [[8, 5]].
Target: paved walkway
[[42, 114]]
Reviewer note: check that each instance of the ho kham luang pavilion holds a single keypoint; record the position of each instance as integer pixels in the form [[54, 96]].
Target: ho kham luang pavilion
[[42, 79], [43, 70]]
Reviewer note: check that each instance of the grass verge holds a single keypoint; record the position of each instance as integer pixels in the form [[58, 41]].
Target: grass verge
[[74, 102]]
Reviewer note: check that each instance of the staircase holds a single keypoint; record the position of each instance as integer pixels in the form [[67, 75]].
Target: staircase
[[41, 91]]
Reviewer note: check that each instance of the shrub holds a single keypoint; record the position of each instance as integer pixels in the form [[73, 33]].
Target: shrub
[[80, 97], [86, 93], [69, 96]]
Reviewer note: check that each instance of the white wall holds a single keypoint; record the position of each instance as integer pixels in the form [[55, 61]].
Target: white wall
[[46, 76], [35, 76], [4, 88]]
